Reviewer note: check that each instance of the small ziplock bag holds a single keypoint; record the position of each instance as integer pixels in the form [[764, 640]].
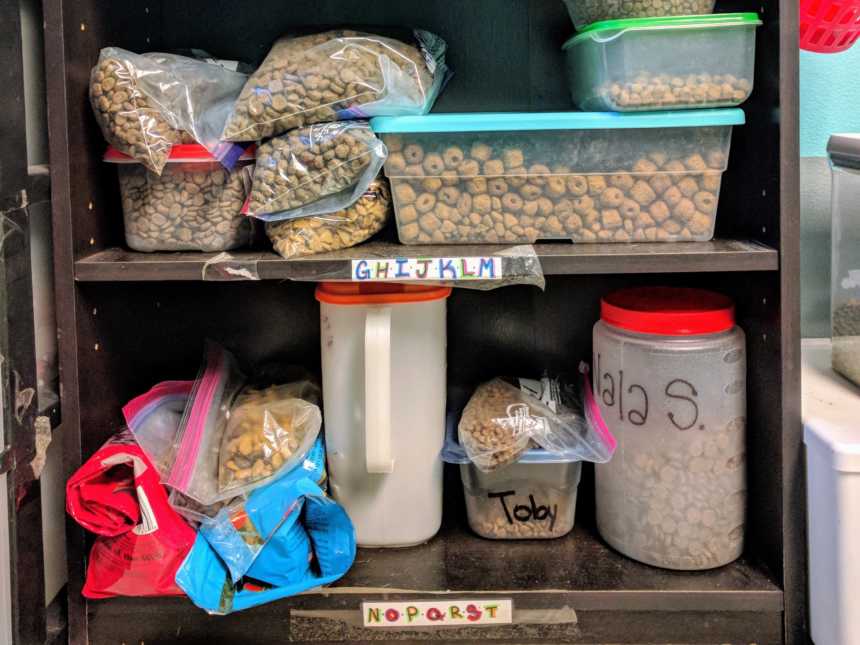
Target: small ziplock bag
[[317, 169], [243, 528], [234, 438], [153, 418], [140, 541], [506, 417], [313, 522]]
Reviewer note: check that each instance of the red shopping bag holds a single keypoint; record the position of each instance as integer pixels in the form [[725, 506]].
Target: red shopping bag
[[141, 540]]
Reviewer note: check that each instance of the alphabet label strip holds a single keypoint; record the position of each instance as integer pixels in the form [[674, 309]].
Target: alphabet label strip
[[442, 613], [426, 269]]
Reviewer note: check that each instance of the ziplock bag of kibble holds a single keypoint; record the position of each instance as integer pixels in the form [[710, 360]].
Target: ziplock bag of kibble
[[337, 76], [233, 437], [334, 231], [154, 417], [318, 169], [507, 416], [146, 103]]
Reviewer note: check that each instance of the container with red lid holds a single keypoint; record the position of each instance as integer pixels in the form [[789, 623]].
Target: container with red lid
[[670, 380], [194, 205]]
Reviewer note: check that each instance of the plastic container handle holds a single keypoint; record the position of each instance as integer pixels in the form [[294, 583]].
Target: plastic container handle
[[377, 390]]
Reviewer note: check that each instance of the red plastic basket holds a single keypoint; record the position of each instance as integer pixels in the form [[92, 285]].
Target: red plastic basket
[[829, 26]]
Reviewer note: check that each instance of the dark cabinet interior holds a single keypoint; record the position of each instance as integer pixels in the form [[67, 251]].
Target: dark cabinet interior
[[128, 320]]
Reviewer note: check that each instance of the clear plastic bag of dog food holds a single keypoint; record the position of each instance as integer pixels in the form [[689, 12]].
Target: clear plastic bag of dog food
[[336, 76], [147, 103], [268, 430], [318, 169], [507, 416], [334, 231]]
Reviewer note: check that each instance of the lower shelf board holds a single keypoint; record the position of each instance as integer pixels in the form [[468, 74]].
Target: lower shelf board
[[569, 589], [117, 264]]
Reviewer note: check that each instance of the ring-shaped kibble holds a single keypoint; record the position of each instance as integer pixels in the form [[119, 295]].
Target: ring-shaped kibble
[[705, 201], [453, 157], [425, 203], [433, 164], [497, 187], [449, 195], [413, 153], [512, 202]]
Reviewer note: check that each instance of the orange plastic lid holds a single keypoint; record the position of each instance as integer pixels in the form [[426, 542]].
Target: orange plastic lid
[[377, 293]]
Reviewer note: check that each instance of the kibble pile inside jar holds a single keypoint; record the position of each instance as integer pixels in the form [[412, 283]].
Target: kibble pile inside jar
[[585, 12]]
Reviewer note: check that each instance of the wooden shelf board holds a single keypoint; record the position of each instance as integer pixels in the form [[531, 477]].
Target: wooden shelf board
[[120, 265], [577, 572]]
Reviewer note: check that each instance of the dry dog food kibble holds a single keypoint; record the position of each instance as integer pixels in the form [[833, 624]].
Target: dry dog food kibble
[[327, 77], [585, 12], [265, 430], [307, 164], [647, 90], [846, 340], [190, 207], [497, 193], [542, 512], [684, 509], [128, 119], [491, 436], [334, 231]]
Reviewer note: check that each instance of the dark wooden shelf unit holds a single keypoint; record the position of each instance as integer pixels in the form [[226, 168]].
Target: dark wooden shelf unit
[[117, 339]]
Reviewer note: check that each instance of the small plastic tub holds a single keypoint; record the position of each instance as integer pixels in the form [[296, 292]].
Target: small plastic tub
[[524, 177], [534, 498], [645, 64], [194, 205], [585, 12]]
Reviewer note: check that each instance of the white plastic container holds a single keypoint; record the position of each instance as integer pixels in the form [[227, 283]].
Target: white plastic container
[[644, 64], [844, 151], [832, 438], [670, 380], [519, 178], [534, 498], [585, 12], [383, 371], [194, 205]]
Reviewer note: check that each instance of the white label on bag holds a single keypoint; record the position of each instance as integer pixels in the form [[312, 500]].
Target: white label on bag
[[426, 269], [441, 613]]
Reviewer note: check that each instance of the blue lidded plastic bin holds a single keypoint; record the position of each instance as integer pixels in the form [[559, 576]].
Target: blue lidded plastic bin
[[580, 176]]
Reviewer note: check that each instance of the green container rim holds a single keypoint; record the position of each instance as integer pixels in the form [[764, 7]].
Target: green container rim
[[707, 21]]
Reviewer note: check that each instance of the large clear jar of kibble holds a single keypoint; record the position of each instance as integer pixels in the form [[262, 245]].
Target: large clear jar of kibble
[[670, 379]]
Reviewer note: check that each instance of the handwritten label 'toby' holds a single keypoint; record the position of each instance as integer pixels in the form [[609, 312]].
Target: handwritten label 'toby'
[[427, 269]]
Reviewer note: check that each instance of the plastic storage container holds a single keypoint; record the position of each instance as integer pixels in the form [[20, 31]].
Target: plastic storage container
[[832, 439], [646, 64], [194, 205], [534, 498], [584, 12], [519, 178], [383, 371], [670, 380], [844, 151]]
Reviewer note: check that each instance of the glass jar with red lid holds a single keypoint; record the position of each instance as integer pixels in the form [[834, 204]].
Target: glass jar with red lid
[[670, 380]]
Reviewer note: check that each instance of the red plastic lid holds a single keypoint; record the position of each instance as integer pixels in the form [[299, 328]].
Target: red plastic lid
[[377, 293], [179, 152], [668, 311]]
